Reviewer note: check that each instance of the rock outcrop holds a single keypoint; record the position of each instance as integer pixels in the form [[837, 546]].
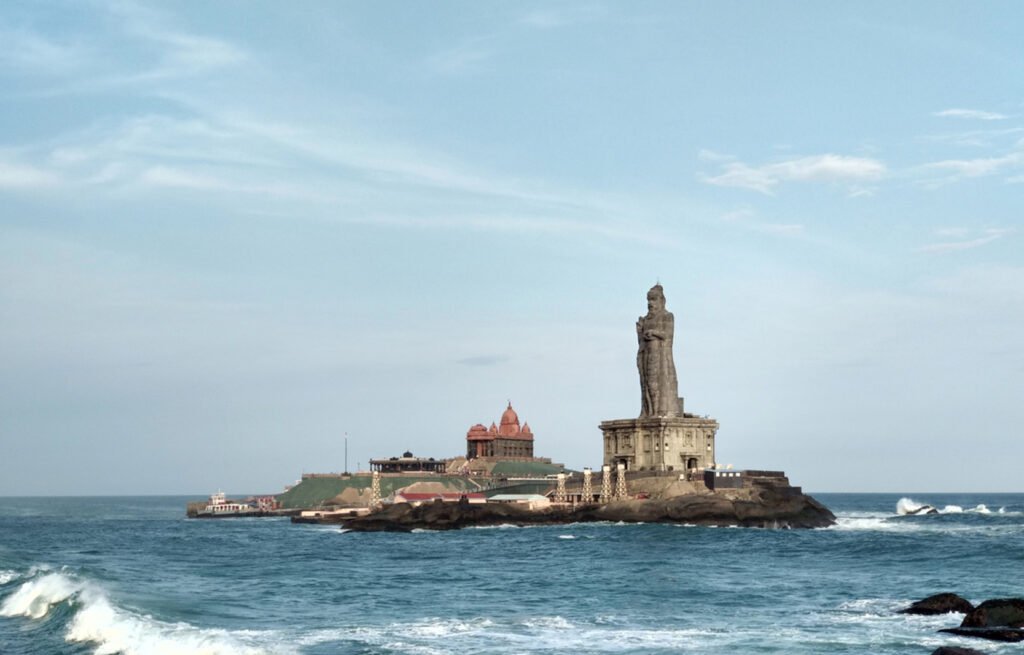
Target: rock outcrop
[[761, 508], [992, 634], [1000, 619], [999, 612], [954, 650], [940, 604]]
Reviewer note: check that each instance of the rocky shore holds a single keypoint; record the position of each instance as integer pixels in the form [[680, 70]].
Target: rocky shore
[[754, 508]]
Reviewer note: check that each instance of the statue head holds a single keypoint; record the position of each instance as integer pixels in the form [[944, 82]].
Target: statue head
[[656, 298]]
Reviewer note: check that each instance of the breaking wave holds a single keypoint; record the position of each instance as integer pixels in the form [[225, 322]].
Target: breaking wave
[[115, 630], [909, 506]]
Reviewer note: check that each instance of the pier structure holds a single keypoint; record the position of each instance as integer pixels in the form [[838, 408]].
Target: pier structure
[[587, 496], [606, 483], [560, 495], [620, 483], [375, 489]]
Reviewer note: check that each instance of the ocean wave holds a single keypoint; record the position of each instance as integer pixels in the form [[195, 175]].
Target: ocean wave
[[116, 630], [34, 598], [8, 576]]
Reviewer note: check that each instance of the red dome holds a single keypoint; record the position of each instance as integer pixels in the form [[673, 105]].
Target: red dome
[[509, 422]]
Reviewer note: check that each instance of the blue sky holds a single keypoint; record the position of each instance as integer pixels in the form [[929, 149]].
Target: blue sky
[[232, 233]]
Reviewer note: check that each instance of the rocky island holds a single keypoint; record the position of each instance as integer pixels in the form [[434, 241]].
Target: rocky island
[[659, 467], [755, 508]]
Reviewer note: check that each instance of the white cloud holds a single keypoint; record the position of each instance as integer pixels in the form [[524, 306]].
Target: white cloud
[[986, 237], [549, 18], [468, 57], [28, 52], [706, 154], [785, 229], [172, 177], [15, 175], [974, 138], [975, 167], [818, 168], [973, 114]]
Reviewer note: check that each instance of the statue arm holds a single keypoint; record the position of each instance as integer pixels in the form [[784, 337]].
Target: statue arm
[[663, 331]]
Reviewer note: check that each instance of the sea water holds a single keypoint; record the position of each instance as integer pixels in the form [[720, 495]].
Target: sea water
[[134, 576]]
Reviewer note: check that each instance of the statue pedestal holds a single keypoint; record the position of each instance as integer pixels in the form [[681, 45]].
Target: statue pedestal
[[660, 443]]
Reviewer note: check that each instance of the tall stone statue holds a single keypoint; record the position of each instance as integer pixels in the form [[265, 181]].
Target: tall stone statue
[[659, 387]]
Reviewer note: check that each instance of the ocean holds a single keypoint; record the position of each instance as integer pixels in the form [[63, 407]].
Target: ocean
[[134, 576]]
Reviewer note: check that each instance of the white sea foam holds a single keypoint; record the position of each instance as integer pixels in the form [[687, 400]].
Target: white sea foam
[[868, 523], [35, 597], [907, 506], [8, 576], [117, 631], [535, 634], [566, 536]]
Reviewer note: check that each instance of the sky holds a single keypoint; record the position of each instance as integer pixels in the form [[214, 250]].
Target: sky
[[234, 235]]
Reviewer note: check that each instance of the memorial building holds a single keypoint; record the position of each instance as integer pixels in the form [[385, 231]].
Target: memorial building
[[504, 441]]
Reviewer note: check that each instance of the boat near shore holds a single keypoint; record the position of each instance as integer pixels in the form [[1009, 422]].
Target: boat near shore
[[219, 506]]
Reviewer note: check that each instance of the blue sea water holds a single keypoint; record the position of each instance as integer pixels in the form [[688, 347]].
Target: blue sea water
[[133, 576]]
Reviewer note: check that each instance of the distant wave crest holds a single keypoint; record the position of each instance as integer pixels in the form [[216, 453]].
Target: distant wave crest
[[909, 506]]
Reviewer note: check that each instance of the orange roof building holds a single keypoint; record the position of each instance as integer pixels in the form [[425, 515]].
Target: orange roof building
[[505, 441]]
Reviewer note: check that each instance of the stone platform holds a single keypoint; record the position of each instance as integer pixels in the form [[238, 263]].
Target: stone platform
[[660, 443]]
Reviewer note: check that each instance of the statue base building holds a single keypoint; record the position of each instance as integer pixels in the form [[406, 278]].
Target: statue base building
[[660, 443]]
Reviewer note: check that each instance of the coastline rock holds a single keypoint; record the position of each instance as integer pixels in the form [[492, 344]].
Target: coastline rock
[[992, 634], [762, 508], [996, 613], [956, 650], [939, 604]]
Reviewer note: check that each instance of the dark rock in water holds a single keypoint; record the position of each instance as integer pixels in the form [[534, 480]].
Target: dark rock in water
[[996, 613], [939, 604], [955, 650], [923, 509], [992, 634], [763, 508]]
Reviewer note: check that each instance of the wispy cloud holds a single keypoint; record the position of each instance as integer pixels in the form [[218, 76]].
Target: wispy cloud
[[551, 18], [971, 114], [944, 247], [15, 175], [483, 360], [975, 138], [28, 52], [747, 218], [957, 169], [706, 154], [467, 57], [829, 168]]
